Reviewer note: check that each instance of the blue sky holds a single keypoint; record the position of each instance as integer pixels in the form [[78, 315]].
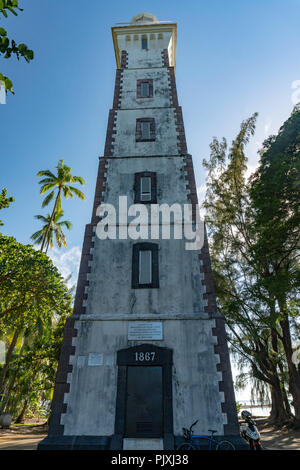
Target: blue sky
[[234, 57]]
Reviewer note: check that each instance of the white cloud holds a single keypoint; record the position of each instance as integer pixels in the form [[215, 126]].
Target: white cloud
[[67, 262]]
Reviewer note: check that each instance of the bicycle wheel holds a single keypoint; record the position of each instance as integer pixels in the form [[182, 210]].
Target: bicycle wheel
[[225, 445], [186, 447]]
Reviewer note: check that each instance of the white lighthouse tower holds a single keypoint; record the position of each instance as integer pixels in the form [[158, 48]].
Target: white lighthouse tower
[[145, 351]]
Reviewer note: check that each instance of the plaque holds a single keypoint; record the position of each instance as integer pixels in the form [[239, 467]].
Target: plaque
[[95, 359], [145, 330]]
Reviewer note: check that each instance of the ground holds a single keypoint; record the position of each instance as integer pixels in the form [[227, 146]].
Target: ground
[[28, 435], [278, 439], [23, 436]]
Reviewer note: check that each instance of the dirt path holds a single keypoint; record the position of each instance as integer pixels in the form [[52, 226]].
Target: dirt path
[[28, 437], [20, 441], [279, 439], [22, 437]]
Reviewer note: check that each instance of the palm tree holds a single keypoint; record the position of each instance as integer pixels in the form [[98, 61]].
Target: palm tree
[[52, 226], [61, 182]]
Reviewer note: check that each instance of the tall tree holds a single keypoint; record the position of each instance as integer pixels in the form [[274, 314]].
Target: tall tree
[[52, 228], [245, 298], [275, 197], [31, 291], [62, 183], [32, 372]]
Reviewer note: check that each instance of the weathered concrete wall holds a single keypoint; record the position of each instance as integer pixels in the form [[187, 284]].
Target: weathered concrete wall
[[179, 270], [92, 397], [165, 133], [161, 95], [179, 279], [171, 180], [142, 58]]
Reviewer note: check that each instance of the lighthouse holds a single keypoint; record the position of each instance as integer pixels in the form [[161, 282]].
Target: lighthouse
[[144, 352]]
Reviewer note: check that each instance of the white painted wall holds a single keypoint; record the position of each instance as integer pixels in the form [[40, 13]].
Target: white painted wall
[[179, 270], [141, 58], [166, 136], [92, 398], [161, 88]]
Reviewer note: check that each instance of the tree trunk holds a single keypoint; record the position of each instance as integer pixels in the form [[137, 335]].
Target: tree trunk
[[7, 402], [278, 415], [51, 220], [286, 401], [274, 337], [294, 376], [8, 358], [20, 418]]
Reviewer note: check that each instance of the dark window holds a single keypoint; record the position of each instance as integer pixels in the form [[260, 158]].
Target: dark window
[[144, 42], [145, 187], [145, 130], [145, 266], [144, 88]]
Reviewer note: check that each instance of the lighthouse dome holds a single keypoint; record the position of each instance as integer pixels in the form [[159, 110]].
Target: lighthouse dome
[[144, 18]]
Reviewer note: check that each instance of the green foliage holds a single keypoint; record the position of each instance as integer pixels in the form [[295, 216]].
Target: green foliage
[[4, 201], [31, 287], [51, 228], [275, 196], [254, 235], [32, 372], [34, 304], [60, 182], [238, 407], [9, 47], [10, 5]]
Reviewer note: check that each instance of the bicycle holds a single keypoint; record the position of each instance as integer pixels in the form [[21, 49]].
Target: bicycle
[[191, 443]]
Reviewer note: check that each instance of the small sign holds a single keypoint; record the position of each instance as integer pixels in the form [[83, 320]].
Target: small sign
[[95, 359], [145, 330]]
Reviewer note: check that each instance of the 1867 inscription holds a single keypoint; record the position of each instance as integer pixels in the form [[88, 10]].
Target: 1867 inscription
[[145, 357]]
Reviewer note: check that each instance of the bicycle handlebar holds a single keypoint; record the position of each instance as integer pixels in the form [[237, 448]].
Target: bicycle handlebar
[[194, 424]]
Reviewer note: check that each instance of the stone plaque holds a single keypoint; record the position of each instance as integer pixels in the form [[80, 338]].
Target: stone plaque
[[145, 330], [95, 359]]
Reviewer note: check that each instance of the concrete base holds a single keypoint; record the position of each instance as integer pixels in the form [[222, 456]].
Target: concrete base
[[116, 442], [143, 444], [75, 443]]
